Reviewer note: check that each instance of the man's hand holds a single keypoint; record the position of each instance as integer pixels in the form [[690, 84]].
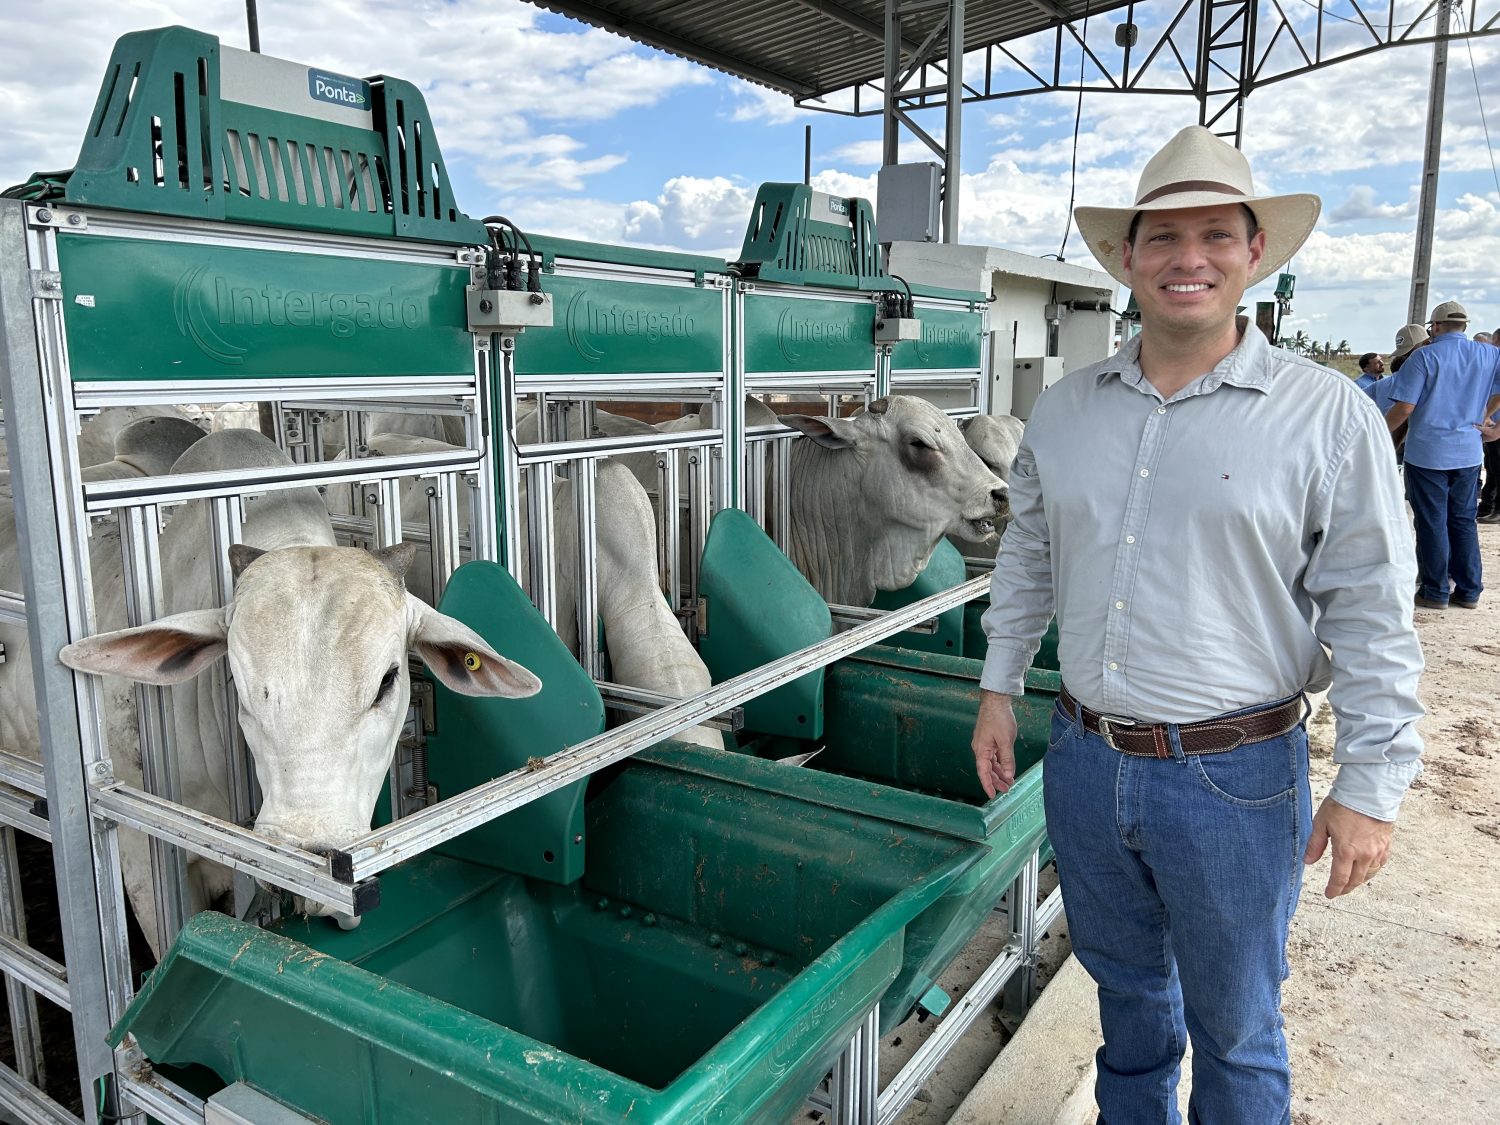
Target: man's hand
[[1490, 430], [994, 743], [1360, 845]]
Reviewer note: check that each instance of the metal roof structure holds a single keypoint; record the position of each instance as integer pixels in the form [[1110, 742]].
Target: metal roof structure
[[812, 48]]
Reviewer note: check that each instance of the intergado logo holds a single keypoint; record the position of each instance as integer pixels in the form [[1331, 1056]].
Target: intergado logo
[[205, 305], [939, 336], [338, 89], [590, 326], [796, 334]]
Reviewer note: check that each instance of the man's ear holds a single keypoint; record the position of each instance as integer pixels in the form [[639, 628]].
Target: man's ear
[[1257, 249], [830, 433], [167, 651], [460, 658]]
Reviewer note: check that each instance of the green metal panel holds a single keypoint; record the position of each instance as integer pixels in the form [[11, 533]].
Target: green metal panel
[[760, 607], [141, 309], [711, 965], [789, 240], [163, 140], [807, 334], [951, 339], [606, 326], [976, 645], [943, 571], [480, 739]]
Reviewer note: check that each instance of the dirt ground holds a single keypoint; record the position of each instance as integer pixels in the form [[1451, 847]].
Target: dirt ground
[[1393, 1005]]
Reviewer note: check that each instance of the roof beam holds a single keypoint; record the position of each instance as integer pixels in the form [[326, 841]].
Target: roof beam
[[839, 14], [1056, 11], [677, 45]]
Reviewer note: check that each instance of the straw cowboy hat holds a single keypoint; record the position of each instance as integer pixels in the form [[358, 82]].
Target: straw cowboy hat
[[1197, 169]]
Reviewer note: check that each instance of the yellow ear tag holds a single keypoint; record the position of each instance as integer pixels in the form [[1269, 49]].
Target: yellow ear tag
[[472, 661]]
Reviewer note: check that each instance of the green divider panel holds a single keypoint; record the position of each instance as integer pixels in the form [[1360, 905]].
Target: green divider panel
[[805, 237], [760, 608], [480, 739], [943, 571], [710, 969]]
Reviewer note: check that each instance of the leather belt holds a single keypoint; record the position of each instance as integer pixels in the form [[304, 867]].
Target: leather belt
[[1214, 736]]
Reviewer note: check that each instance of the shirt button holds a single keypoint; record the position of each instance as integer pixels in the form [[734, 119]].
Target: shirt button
[[1161, 409], [1119, 605], [1113, 667], [1130, 538], [1145, 472]]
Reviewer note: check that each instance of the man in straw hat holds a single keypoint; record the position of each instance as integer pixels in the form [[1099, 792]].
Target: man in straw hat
[[1444, 396], [1204, 513]]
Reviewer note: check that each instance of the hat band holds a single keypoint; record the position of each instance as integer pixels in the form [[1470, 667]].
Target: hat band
[[1184, 186]]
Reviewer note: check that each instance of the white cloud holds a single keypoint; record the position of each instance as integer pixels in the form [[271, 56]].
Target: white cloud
[[1360, 204]]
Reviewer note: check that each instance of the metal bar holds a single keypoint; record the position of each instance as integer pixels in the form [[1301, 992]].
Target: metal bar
[[671, 527], [548, 452], [385, 847], [19, 812], [858, 615], [639, 700], [30, 1105], [539, 531], [18, 962], [104, 496], [953, 138], [930, 1055], [165, 1101], [22, 773], [37, 972], [1020, 906], [12, 609], [286, 867], [585, 497], [1421, 262], [32, 385]]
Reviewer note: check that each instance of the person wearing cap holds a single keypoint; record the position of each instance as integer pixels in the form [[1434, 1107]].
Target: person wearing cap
[[1408, 339], [1204, 513], [1371, 369], [1444, 396]]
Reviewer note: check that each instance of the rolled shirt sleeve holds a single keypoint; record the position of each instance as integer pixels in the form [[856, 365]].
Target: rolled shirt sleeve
[[1360, 574]]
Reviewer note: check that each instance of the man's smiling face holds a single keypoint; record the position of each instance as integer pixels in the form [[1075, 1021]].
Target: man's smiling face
[[1188, 268]]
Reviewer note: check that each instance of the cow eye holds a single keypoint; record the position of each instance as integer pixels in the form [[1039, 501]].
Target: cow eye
[[387, 682], [919, 443]]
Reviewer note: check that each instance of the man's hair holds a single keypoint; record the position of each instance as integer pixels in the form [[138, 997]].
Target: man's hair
[[1252, 225], [1364, 360]]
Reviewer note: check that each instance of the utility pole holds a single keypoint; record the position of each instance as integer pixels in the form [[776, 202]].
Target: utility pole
[[1421, 263]]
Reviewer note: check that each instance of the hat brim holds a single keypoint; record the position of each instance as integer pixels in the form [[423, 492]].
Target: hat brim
[[1287, 220]]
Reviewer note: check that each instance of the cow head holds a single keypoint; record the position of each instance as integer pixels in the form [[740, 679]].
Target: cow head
[[875, 493], [317, 639]]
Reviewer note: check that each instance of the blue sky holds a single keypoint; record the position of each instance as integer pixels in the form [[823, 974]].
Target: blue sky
[[572, 131]]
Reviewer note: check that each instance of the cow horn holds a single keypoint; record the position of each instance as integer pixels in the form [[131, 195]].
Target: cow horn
[[397, 559], [879, 406], [242, 555]]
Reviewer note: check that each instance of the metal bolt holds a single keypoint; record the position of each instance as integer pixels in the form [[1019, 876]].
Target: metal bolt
[[75, 219], [602, 904], [486, 306], [769, 960], [44, 215], [578, 839], [714, 940], [649, 920], [740, 949], [625, 911], [537, 299], [51, 283]]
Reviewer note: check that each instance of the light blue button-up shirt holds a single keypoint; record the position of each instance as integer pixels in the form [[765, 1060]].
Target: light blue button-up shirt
[[1450, 380], [1201, 552]]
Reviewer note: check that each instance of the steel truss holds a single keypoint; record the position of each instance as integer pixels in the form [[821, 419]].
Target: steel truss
[[1216, 51]]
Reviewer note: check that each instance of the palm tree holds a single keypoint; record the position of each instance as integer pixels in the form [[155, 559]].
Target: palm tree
[[1301, 342]]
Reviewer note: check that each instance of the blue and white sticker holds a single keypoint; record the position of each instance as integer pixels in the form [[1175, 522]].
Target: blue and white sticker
[[340, 89]]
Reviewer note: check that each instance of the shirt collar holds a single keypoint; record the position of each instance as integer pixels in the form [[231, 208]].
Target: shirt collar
[[1248, 365]]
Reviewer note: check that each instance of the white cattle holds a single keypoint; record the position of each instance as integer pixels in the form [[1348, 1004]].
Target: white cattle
[[147, 447], [995, 438], [647, 647], [317, 637], [871, 495]]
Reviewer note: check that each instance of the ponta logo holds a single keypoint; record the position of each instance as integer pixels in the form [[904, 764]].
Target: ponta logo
[[338, 89], [795, 334], [589, 325], [205, 306]]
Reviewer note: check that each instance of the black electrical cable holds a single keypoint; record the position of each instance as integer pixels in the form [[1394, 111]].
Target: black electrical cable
[[1083, 54], [910, 308]]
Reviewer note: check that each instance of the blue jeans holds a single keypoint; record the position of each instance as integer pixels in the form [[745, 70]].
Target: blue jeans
[[1443, 503], [1179, 877]]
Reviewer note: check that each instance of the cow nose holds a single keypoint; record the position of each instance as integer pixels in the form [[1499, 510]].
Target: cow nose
[[1000, 496]]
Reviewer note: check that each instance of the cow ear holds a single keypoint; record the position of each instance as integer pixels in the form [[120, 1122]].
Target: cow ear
[[397, 559], [830, 433], [241, 556], [963, 423], [167, 651], [879, 406], [460, 658]]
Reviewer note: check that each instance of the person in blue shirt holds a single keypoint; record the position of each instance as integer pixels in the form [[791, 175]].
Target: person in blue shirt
[[1446, 393], [1371, 368], [1489, 496]]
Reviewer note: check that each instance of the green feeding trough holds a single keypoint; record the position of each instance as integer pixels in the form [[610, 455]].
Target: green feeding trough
[[893, 743], [708, 962]]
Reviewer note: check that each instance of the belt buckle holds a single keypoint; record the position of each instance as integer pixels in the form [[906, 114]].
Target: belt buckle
[[1107, 725]]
